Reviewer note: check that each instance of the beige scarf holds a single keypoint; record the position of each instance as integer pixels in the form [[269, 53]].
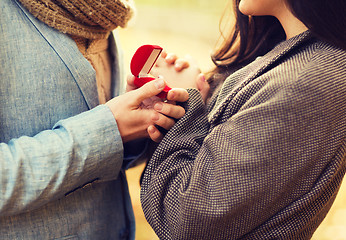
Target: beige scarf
[[90, 19]]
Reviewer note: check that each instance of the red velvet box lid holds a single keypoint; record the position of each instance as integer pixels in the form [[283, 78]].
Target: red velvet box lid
[[144, 59]]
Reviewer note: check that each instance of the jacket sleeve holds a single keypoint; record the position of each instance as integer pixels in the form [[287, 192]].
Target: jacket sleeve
[[78, 150], [266, 163]]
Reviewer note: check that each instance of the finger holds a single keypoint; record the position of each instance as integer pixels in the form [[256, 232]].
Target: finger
[[178, 95], [150, 102], [148, 90], [170, 102], [181, 64], [171, 58], [173, 111], [161, 61], [163, 121], [163, 54], [203, 86], [201, 82], [154, 133], [130, 83]]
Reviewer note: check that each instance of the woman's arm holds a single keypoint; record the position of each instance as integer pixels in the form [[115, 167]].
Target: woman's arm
[[258, 169]]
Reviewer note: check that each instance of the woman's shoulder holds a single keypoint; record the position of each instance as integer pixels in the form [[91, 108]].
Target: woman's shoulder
[[326, 61], [322, 73], [318, 60], [325, 53]]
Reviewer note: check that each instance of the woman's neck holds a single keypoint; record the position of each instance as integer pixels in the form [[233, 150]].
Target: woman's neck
[[291, 25]]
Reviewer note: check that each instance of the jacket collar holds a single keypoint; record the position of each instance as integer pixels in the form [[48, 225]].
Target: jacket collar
[[79, 67], [248, 73]]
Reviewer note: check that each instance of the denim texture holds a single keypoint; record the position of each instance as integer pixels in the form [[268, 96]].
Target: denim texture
[[60, 153]]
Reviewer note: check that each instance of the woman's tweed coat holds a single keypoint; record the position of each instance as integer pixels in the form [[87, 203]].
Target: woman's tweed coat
[[266, 159]]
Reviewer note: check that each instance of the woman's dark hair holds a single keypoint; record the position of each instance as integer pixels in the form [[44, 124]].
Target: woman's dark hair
[[253, 36], [326, 19]]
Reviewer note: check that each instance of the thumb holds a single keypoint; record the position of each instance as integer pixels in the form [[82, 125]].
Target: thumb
[[149, 90], [203, 86]]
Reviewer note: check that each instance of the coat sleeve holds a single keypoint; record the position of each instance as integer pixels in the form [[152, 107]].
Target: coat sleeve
[[265, 165], [78, 150]]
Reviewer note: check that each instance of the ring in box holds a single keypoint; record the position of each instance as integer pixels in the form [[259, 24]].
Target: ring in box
[[142, 62]]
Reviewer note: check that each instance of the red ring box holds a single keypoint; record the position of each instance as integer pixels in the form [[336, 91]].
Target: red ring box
[[142, 62]]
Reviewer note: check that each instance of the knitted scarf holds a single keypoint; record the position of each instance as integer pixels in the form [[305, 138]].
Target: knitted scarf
[[90, 19]]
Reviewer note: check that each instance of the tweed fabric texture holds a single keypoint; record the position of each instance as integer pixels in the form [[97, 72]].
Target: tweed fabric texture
[[84, 18], [267, 157]]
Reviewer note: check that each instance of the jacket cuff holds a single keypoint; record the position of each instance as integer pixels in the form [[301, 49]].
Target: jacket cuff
[[97, 141]]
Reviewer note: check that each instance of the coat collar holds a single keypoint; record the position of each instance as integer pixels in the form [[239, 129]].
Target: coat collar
[[79, 67], [238, 80]]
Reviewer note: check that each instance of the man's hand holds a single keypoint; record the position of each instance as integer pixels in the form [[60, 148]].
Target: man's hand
[[138, 111]]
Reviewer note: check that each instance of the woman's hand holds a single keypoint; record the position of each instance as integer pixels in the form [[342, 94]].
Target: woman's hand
[[179, 63], [138, 111], [181, 72], [203, 86], [178, 73]]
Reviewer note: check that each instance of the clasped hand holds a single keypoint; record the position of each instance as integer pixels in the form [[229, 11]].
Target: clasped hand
[[181, 73]]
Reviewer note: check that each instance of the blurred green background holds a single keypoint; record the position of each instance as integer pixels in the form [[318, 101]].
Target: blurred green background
[[192, 27], [202, 5]]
